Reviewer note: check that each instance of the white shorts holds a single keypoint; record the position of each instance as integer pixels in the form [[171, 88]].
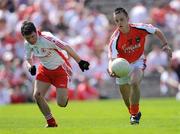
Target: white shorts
[[139, 64]]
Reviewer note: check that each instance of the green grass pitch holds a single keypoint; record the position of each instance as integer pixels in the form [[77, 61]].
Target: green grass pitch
[[159, 116]]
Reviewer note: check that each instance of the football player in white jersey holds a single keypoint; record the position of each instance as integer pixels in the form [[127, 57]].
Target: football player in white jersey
[[54, 66]]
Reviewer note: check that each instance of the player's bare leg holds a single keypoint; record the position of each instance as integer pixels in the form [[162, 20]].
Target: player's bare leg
[[40, 90], [125, 92], [136, 78], [62, 97]]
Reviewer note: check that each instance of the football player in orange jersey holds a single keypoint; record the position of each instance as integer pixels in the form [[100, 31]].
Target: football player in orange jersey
[[127, 42]]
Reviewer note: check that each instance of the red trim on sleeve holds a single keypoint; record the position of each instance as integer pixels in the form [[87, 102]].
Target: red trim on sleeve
[[59, 44], [55, 41], [63, 57]]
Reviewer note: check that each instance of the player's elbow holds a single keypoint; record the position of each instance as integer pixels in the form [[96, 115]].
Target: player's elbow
[[66, 47], [158, 31]]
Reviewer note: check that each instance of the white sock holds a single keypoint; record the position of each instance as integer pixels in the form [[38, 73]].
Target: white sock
[[48, 116]]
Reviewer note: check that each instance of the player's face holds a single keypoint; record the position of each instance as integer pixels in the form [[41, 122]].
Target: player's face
[[32, 38], [121, 21]]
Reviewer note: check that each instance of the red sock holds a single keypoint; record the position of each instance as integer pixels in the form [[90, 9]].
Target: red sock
[[134, 109], [51, 122]]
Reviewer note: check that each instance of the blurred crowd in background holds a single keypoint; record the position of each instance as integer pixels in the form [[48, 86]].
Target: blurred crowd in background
[[87, 30]]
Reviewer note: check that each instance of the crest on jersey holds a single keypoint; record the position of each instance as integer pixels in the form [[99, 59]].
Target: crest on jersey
[[138, 39]]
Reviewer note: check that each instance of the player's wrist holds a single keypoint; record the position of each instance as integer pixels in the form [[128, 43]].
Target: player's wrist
[[164, 45], [80, 61]]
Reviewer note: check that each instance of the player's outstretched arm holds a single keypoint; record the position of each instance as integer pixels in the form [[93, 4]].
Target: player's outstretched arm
[[84, 65], [165, 46]]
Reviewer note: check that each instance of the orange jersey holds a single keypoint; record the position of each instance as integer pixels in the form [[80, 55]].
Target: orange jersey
[[130, 46]]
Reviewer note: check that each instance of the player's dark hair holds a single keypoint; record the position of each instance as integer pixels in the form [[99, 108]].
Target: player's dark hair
[[27, 28], [120, 10]]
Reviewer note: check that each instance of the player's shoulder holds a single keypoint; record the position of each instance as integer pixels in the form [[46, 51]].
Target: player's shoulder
[[115, 33], [46, 34], [26, 43], [49, 37], [144, 26], [136, 24], [141, 25]]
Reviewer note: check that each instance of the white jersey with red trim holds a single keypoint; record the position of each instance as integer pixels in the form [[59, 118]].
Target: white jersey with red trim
[[49, 51]]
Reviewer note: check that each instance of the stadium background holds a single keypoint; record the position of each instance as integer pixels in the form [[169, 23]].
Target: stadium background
[[87, 26]]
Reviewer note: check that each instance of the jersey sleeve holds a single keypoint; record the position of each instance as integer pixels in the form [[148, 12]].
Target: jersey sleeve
[[150, 29], [28, 51], [56, 43], [112, 51]]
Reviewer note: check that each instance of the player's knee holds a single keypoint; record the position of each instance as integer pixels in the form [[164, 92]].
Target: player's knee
[[62, 103], [135, 85], [136, 77], [36, 95], [134, 82]]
